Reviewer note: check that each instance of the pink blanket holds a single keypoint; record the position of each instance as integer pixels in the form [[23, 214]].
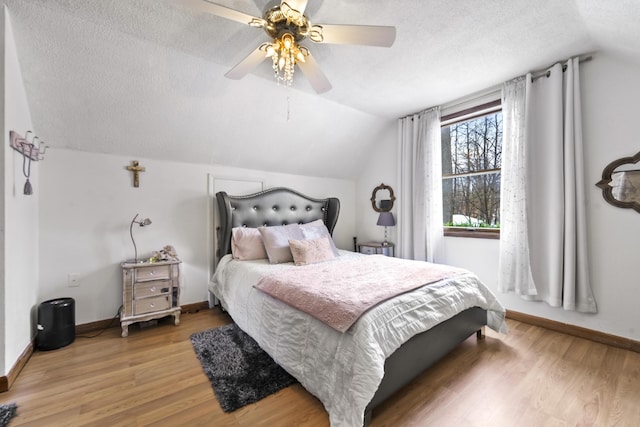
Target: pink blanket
[[339, 292]]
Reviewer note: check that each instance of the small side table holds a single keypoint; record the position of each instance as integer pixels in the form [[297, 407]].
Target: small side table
[[381, 248], [149, 291]]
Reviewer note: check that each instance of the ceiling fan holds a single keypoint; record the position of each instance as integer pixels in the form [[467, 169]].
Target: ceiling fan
[[287, 25]]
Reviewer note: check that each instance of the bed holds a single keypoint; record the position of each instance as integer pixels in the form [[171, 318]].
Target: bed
[[350, 372]]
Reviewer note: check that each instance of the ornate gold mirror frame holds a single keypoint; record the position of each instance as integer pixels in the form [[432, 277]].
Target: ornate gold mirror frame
[[621, 187], [377, 205]]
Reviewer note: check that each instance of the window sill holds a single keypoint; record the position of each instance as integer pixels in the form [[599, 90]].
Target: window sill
[[476, 233]]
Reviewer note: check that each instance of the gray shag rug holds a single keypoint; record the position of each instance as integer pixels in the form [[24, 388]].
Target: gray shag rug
[[7, 412], [239, 370]]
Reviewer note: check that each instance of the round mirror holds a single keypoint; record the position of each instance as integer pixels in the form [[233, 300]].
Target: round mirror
[[382, 198], [620, 183]]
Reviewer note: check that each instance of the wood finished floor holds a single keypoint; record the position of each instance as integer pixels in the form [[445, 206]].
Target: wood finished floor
[[530, 377]]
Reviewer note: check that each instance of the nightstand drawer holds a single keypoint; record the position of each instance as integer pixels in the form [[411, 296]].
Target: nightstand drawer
[[371, 248], [156, 272], [368, 250], [148, 305], [154, 287]]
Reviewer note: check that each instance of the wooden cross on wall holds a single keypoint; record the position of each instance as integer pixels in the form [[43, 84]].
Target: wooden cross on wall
[[136, 169]]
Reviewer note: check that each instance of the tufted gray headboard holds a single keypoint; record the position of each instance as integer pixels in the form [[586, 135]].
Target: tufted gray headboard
[[276, 206]]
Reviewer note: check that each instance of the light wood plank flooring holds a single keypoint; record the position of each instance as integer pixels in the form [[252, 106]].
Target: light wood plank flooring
[[530, 377]]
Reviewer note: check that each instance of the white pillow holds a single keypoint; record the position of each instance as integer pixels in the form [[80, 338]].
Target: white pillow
[[276, 241], [315, 230], [246, 244]]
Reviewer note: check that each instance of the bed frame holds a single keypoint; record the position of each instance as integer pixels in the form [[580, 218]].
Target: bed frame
[[280, 206]]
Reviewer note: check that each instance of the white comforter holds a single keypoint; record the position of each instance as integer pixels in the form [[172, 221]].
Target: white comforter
[[343, 370]]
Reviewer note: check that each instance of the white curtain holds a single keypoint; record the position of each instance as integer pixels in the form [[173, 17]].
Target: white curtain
[[420, 234], [543, 250], [515, 268]]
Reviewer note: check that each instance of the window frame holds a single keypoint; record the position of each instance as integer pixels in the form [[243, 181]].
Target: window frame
[[457, 117]]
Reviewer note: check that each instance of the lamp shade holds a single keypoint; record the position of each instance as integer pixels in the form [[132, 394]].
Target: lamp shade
[[386, 219]]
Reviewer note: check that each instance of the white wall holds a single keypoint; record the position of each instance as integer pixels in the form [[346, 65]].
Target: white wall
[[610, 94], [19, 279], [87, 202], [380, 168]]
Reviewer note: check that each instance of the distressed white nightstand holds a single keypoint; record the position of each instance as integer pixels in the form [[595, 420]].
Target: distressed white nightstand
[[149, 291], [371, 248]]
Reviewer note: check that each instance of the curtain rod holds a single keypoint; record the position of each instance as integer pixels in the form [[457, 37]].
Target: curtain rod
[[535, 75], [486, 93]]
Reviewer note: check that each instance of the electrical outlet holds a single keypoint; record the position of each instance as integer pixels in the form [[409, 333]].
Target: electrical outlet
[[73, 280]]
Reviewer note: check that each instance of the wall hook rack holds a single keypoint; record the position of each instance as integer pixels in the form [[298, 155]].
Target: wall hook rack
[[32, 149]]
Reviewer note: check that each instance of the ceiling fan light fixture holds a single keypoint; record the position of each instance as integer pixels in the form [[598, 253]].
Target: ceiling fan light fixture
[[270, 51], [287, 41], [285, 53]]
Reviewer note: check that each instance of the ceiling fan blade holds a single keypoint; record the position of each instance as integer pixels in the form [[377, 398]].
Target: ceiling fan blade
[[369, 35], [299, 5], [225, 12], [247, 64], [314, 74]]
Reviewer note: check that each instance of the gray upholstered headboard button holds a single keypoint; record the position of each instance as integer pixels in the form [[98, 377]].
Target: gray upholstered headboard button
[[276, 206]]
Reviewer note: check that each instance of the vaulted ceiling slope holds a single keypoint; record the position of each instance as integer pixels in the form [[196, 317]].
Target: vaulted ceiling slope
[[146, 77]]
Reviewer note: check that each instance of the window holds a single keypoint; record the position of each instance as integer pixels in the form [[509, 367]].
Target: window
[[471, 162]]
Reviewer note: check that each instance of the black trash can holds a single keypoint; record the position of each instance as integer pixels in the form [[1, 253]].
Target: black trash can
[[56, 323]]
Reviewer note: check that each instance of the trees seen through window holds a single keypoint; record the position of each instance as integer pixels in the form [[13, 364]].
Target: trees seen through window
[[471, 162]]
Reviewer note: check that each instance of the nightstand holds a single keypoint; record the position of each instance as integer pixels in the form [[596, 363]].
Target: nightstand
[[149, 291], [371, 248]]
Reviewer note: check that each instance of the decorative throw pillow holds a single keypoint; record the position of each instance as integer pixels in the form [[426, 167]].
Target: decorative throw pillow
[[276, 241], [311, 251], [316, 230], [246, 244]]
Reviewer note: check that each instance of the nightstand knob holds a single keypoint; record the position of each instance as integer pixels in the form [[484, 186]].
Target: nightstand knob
[[152, 305], [153, 289]]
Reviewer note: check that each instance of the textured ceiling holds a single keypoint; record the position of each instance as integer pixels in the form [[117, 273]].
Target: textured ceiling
[[146, 77]]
